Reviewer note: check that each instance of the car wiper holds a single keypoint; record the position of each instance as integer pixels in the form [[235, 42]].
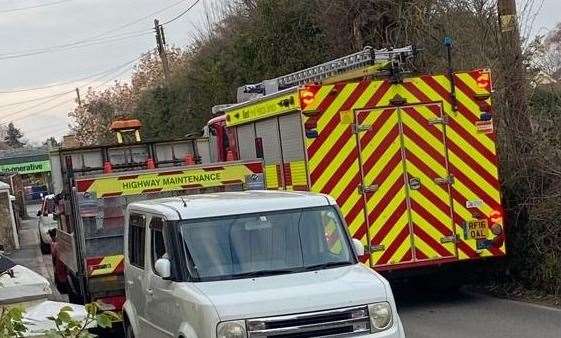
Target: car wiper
[[260, 273], [326, 265]]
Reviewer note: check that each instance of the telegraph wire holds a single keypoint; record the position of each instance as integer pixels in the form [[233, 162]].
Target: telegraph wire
[[58, 84], [96, 39], [33, 6], [182, 13], [5, 121], [35, 99], [91, 43]]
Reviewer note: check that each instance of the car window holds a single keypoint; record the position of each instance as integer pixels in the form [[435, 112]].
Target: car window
[[137, 231], [158, 248]]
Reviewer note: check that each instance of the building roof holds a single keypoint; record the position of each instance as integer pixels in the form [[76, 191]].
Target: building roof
[[230, 203], [21, 155]]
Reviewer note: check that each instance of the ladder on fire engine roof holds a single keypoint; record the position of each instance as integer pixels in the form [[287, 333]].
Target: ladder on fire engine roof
[[367, 57]]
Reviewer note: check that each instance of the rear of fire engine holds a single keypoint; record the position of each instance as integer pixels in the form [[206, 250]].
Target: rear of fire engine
[[411, 159], [97, 183]]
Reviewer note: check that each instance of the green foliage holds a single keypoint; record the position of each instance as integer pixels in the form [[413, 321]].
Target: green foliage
[[68, 327], [534, 195], [13, 136], [11, 322]]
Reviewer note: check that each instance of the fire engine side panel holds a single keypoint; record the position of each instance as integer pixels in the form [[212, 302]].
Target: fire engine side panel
[[246, 141], [293, 153], [268, 131]]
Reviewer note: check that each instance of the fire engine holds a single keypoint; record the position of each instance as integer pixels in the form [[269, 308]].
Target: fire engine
[[411, 159], [95, 184]]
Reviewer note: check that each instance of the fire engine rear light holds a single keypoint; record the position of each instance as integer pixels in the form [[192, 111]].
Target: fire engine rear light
[[307, 96], [496, 217], [484, 80]]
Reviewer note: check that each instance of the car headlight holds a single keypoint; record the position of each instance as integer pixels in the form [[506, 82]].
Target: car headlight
[[234, 329], [380, 316]]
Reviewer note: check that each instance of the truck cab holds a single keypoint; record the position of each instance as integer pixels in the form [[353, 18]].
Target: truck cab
[[250, 264]]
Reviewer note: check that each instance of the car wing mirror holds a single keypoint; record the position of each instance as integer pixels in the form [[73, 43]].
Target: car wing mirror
[[163, 268], [359, 248]]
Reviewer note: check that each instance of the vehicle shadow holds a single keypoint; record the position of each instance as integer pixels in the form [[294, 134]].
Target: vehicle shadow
[[413, 294]]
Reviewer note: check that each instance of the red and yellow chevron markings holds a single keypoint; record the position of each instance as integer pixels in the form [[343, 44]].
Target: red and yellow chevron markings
[[472, 155], [108, 265], [333, 160], [424, 141], [425, 153], [382, 164]]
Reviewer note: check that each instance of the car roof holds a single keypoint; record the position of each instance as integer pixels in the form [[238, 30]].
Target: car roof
[[230, 203]]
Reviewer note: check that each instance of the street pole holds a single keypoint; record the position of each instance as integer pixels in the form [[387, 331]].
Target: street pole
[[79, 100], [514, 72], [161, 41]]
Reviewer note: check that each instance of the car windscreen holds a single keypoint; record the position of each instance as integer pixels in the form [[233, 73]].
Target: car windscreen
[[267, 243]]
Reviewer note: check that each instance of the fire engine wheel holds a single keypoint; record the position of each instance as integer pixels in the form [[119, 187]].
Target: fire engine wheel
[[74, 298]]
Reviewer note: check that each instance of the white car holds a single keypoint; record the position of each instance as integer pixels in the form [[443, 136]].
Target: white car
[[46, 222], [250, 264]]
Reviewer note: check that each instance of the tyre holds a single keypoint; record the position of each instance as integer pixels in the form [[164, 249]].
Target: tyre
[[62, 288], [45, 247], [74, 298]]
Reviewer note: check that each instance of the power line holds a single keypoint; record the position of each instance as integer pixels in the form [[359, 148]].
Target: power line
[[76, 43], [96, 76], [95, 38], [63, 102], [91, 43], [107, 71], [182, 13], [35, 99], [33, 7]]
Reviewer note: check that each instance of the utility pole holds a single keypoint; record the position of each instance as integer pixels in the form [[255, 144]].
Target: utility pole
[[79, 100], [161, 42], [514, 73]]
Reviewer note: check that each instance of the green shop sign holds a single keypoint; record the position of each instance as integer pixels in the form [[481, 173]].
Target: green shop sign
[[26, 167]]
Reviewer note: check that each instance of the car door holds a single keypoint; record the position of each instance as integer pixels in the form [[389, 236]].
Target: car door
[[162, 311], [135, 266]]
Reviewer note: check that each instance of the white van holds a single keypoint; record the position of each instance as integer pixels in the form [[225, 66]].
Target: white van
[[250, 264]]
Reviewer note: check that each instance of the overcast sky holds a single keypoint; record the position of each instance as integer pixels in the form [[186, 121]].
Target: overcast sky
[[29, 28]]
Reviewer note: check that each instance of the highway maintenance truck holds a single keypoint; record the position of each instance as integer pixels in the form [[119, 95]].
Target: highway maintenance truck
[[94, 186], [411, 159]]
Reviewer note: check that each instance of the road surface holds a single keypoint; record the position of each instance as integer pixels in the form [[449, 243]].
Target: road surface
[[424, 313], [463, 314]]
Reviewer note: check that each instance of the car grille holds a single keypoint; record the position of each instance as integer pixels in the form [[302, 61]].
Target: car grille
[[345, 322]]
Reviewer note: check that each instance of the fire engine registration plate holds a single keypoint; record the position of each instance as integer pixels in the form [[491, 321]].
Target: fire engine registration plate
[[477, 229]]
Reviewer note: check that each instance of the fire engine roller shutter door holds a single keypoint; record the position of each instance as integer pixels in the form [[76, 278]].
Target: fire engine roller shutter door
[[383, 186], [268, 131], [246, 141], [293, 157], [428, 181]]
